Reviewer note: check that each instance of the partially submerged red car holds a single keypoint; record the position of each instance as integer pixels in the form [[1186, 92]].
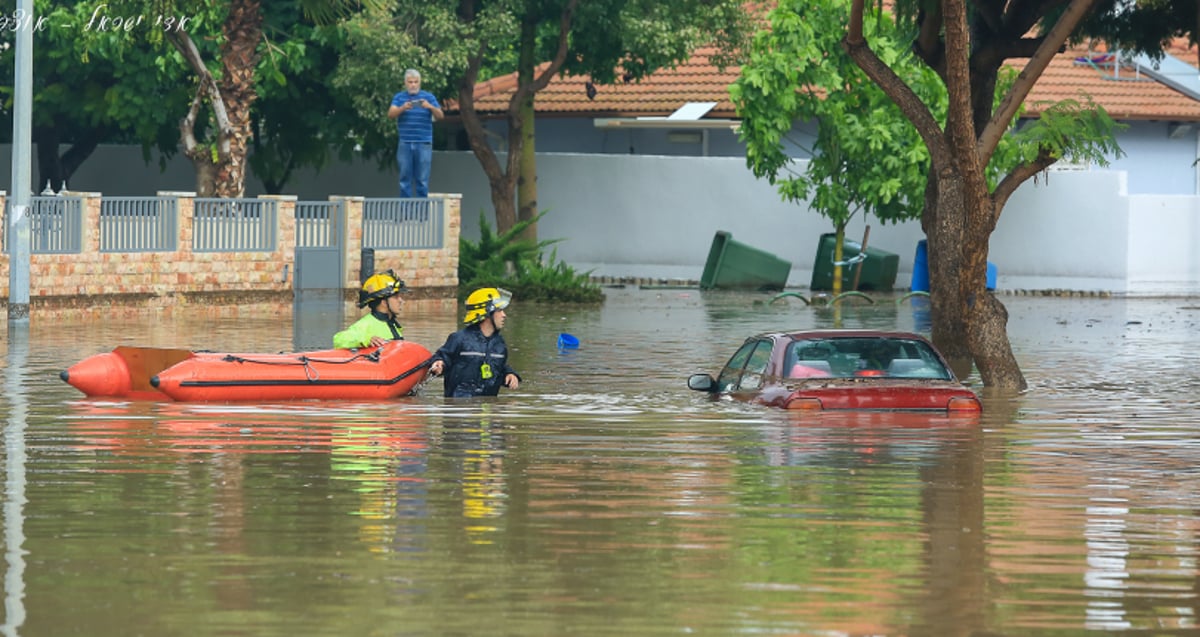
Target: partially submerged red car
[[840, 370]]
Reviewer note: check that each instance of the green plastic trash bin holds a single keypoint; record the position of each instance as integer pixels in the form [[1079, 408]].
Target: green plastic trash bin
[[735, 265], [878, 269]]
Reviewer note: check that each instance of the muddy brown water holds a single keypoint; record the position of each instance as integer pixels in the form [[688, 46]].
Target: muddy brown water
[[603, 497]]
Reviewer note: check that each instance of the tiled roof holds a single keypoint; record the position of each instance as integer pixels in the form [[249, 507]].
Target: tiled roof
[[1119, 88], [695, 80], [1124, 94]]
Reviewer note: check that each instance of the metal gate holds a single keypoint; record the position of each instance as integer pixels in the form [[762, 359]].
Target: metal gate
[[320, 247]]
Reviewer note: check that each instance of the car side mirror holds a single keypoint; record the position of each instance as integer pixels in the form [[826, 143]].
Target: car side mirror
[[701, 382]]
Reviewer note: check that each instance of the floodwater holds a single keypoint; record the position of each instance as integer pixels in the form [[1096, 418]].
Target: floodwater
[[603, 497]]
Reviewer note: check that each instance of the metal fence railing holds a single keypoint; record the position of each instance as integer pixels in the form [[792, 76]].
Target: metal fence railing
[[407, 224], [235, 225], [139, 224], [317, 223], [152, 224], [55, 225]]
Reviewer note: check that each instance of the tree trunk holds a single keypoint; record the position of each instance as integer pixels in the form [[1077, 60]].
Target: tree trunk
[[206, 172], [527, 177], [527, 167], [839, 253], [503, 200], [221, 164], [50, 172], [239, 59], [944, 244], [969, 323], [55, 169], [503, 181]]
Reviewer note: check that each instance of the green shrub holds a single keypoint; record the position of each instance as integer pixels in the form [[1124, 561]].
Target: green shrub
[[521, 266]]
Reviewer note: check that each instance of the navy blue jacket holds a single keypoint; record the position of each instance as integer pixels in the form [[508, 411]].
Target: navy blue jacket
[[465, 355]]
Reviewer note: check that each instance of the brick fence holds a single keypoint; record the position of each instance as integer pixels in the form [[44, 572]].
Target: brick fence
[[92, 278]]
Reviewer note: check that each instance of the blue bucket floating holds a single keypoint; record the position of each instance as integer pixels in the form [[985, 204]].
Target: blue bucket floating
[[566, 341]]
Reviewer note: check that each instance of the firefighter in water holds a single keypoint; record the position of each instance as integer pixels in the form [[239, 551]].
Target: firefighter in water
[[475, 358]]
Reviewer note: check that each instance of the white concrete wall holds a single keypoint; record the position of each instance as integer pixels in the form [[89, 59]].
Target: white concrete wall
[[1157, 163], [1065, 229], [1164, 244], [655, 217]]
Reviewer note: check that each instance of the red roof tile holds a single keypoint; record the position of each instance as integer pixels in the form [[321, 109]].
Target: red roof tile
[[660, 94], [1119, 88], [1124, 94]]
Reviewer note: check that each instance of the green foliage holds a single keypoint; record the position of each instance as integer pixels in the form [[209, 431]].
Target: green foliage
[[634, 38], [1081, 131], [92, 82], [520, 265], [866, 156], [300, 119], [1148, 29]]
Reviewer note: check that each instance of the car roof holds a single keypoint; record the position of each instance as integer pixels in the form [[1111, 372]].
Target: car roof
[[842, 333]]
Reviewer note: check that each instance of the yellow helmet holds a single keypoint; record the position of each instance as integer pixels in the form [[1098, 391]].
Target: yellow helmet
[[482, 302], [380, 286]]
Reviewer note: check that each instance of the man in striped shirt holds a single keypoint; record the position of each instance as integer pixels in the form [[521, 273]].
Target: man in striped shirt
[[414, 111]]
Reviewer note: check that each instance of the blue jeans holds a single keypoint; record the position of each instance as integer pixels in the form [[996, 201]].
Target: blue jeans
[[414, 159]]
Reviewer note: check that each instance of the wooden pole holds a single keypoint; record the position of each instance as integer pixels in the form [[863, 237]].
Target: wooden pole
[[863, 255]]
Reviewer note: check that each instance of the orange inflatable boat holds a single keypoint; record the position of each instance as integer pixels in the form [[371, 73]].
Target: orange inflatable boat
[[144, 373]]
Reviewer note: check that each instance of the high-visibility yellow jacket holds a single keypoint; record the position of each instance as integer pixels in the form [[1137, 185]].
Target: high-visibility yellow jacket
[[359, 333]]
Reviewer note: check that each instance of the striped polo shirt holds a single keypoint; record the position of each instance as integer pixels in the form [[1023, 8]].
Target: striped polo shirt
[[416, 124]]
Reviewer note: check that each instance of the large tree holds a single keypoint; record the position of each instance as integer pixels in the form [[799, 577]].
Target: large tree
[[968, 49], [459, 43], [222, 44], [629, 38], [89, 90], [301, 117], [865, 157]]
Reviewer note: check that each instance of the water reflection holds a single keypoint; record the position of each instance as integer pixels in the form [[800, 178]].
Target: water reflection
[[316, 316], [477, 451], [15, 459], [603, 497]]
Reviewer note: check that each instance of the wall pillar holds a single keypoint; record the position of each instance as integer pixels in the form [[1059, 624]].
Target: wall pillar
[[351, 235], [285, 240]]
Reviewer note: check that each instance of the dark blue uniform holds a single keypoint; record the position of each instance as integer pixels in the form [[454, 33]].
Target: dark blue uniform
[[475, 365]]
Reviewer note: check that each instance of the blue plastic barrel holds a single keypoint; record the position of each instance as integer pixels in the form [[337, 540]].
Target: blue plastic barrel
[[920, 274]]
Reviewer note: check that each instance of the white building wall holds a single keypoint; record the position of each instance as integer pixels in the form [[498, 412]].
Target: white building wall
[[1065, 229], [1157, 163], [1164, 244], [655, 217]]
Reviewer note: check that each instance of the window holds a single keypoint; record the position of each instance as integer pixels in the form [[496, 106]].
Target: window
[[756, 366], [809, 359], [745, 368]]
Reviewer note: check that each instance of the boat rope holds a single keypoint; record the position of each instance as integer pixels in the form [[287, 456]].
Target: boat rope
[[301, 360], [309, 372]]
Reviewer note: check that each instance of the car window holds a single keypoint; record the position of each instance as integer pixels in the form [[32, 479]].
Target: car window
[[898, 358], [809, 358], [756, 366], [917, 360], [733, 369]]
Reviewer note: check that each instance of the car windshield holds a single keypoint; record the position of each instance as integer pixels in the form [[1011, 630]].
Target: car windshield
[[863, 356]]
